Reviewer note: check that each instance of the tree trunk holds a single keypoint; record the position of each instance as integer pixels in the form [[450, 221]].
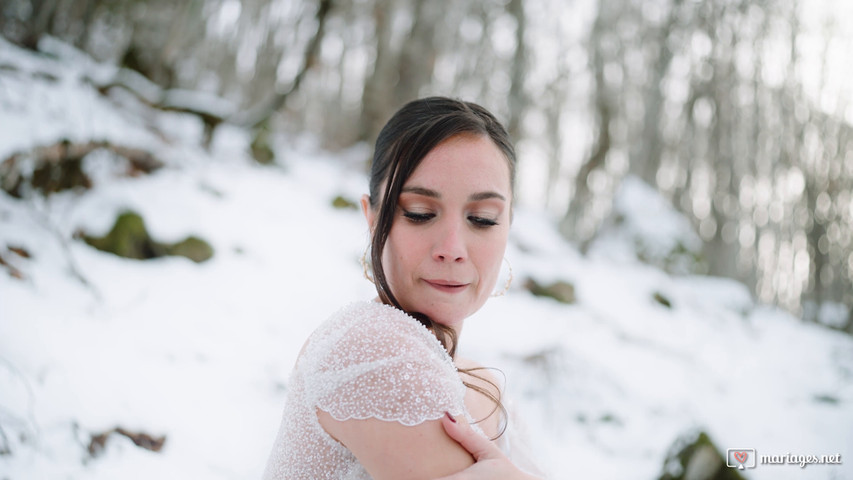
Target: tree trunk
[[260, 115], [417, 57], [645, 158], [517, 99], [42, 19], [572, 225], [375, 101]]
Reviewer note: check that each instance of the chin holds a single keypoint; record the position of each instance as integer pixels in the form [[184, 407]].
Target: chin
[[449, 316], [448, 312]]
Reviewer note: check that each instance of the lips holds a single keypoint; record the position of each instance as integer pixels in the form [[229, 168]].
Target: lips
[[447, 286]]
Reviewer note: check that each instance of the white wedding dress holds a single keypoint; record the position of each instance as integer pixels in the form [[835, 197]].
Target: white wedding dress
[[369, 360]]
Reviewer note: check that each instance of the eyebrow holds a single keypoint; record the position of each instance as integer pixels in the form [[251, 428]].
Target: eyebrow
[[474, 197]]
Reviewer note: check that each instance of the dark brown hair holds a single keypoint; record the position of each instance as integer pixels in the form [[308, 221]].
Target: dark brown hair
[[404, 141]]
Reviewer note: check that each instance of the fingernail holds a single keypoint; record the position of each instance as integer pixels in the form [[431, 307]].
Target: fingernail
[[450, 417]]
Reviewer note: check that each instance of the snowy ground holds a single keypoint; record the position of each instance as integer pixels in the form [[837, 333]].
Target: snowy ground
[[201, 353]]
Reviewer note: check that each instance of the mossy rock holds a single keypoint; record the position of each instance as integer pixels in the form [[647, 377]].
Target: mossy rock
[[610, 418], [262, 152], [343, 203], [826, 398], [696, 457], [193, 248], [662, 299], [561, 291], [130, 239]]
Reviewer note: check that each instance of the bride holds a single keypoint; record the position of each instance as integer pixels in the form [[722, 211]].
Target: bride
[[377, 390]]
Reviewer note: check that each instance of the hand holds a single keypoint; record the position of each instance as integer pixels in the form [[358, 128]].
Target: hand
[[491, 464]]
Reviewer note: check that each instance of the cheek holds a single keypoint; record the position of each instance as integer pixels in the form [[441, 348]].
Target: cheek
[[397, 257], [390, 262], [490, 259]]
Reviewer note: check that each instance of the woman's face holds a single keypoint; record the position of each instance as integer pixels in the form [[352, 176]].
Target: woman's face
[[447, 241]]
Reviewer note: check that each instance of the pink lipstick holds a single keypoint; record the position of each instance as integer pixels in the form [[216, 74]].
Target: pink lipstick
[[448, 286]]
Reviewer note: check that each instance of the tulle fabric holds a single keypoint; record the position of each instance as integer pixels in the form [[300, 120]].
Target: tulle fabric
[[368, 361]]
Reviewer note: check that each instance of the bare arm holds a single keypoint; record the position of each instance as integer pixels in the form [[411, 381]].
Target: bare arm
[[391, 450], [491, 464]]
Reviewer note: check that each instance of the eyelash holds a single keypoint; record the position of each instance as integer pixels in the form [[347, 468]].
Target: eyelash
[[418, 217], [479, 222]]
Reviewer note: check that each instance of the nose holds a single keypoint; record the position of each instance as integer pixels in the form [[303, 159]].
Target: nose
[[449, 245]]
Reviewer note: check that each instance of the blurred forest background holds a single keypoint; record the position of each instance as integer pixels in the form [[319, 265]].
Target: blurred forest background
[[737, 111]]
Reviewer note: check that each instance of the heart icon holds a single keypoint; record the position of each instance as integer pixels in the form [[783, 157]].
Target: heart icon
[[740, 456]]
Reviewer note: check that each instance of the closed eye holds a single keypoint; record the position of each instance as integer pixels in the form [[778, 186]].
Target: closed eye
[[482, 222], [415, 217]]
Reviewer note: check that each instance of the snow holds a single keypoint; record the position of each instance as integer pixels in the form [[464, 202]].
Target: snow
[[643, 225], [201, 353], [46, 100]]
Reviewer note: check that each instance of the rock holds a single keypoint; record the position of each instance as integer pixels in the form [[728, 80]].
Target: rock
[[98, 441], [663, 300], [340, 202], [13, 271], [262, 152], [560, 290], [193, 248], [61, 166], [826, 398], [53, 177], [130, 239], [696, 457]]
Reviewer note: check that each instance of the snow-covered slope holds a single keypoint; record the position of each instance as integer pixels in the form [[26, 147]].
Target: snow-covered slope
[[200, 353]]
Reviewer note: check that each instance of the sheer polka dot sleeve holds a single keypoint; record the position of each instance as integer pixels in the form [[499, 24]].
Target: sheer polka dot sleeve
[[378, 362]]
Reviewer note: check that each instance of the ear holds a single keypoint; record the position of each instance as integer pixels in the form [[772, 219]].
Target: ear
[[369, 213]]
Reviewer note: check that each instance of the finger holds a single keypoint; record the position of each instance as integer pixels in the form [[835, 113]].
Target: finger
[[480, 447]]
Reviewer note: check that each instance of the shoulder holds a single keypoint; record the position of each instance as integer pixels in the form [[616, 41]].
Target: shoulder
[[489, 379], [376, 316], [486, 387], [374, 361], [372, 331], [483, 372], [372, 316]]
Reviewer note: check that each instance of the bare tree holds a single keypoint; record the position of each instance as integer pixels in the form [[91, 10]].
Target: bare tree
[[678, 88], [646, 155], [261, 115], [517, 97], [577, 224], [376, 103]]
